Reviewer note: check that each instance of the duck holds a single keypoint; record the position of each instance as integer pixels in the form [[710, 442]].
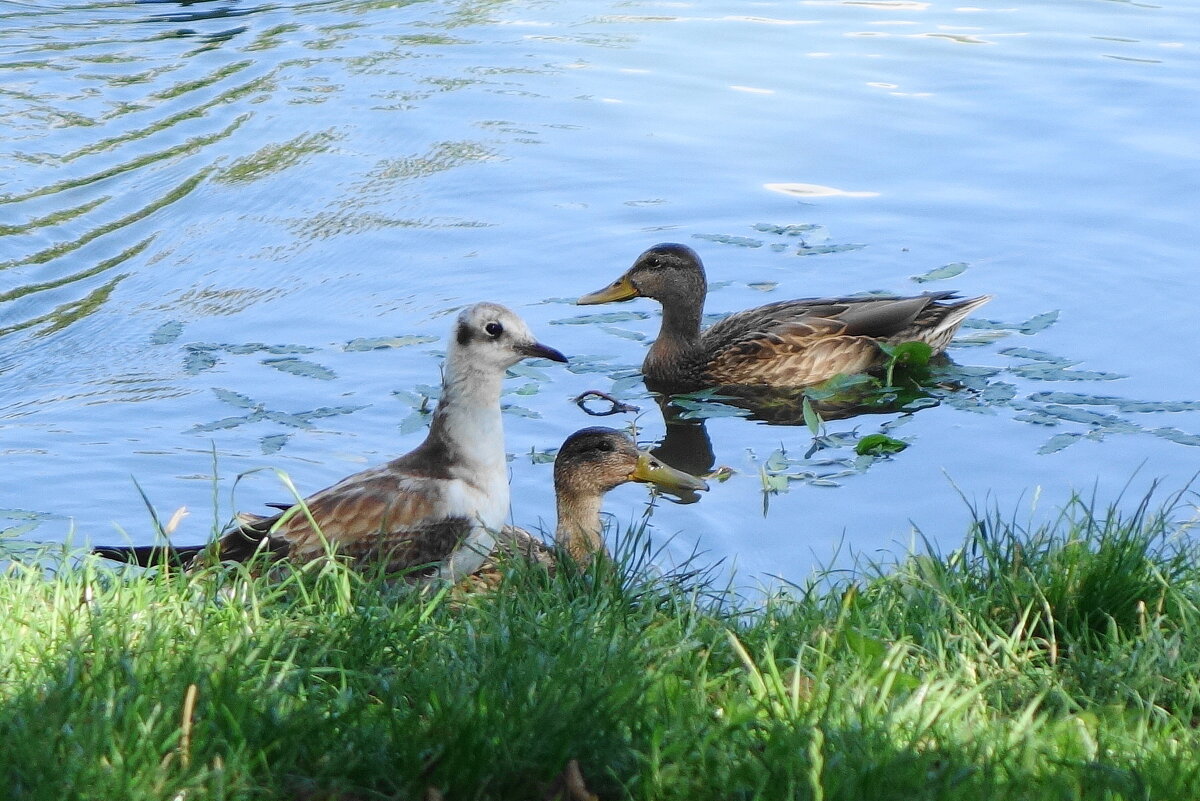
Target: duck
[[430, 514], [589, 463], [792, 343]]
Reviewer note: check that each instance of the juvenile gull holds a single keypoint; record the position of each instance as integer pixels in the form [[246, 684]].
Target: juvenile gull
[[433, 512]]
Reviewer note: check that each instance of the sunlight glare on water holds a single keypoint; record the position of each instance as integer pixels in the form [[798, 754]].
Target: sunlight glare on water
[[236, 232]]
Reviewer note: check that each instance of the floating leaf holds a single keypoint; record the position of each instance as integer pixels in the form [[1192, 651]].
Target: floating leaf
[[272, 443], [383, 343], [726, 239], [624, 333], [234, 398], [228, 422], [1124, 404], [1058, 442], [327, 411], [763, 286], [542, 457], [166, 333], [820, 250], [1039, 323], [527, 371], [1050, 372], [1037, 355], [520, 411], [1175, 435], [413, 422], [527, 389], [604, 317], [879, 445], [786, 230], [301, 367], [197, 361], [942, 273], [287, 419], [285, 349], [777, 461]]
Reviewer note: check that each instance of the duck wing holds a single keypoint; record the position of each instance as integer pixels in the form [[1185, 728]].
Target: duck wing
[[801, 342]]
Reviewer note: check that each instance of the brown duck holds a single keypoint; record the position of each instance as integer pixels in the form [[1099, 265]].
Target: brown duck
[[590, 462], [792, 343]]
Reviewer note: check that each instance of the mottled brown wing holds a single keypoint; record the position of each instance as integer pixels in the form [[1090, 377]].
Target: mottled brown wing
[[373, 517], [777, 361]]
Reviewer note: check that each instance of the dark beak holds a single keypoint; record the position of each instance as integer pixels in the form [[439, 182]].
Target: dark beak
[[536, 350]]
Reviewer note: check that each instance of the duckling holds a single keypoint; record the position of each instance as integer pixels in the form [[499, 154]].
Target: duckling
[[791, 343], [436, 509], [590, 462]]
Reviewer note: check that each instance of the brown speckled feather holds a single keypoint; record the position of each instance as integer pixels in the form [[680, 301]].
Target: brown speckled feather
[[378, 516]]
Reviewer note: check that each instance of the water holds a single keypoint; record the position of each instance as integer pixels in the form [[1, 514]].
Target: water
[[209, 213]]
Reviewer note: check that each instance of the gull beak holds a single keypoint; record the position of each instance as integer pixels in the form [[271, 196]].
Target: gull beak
[[651, 470], [621, 289], [536, 350]]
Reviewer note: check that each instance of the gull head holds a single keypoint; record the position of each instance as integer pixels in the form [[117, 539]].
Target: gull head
[[491, 336]]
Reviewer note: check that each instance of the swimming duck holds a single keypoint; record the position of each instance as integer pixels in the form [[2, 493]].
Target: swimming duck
[[787, 344], [432, 513], [590, 462]]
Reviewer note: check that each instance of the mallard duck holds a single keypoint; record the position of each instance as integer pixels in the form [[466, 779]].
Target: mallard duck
[[786, 344], [433, 512], [590, 462]]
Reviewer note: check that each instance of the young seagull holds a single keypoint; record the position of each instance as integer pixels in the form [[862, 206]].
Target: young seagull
[[590, 462], [792, 343], [437, 508]]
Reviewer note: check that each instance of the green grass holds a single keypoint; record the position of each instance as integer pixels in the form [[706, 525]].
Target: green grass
[[1058, 661]]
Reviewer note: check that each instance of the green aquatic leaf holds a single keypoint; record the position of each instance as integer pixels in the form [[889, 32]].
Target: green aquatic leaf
[[272, 443], [415, 421], [879, 445], [624, 333], [287, 419], [383, 343], [820, 250], [603, 317], [234, 398], [763, 286], [798, 229], [1038, 323], [811, 418], [1175, 435], [1036, 355], [520, 411], [727, 239], [1058, 442], [197, 361], [301, 367], [1052, 372], [167, 333], [942, 273], [527, 371], [327, 411], [228, 422], [527, 389]]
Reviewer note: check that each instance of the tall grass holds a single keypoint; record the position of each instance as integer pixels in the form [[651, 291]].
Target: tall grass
[[1056, 661]]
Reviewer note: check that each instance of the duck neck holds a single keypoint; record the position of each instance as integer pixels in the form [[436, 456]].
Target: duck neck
[[679, 342], [579, 529]]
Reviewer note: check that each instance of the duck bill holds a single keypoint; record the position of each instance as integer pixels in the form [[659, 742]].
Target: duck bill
[[652, 471], [536, 350], [621, 289]]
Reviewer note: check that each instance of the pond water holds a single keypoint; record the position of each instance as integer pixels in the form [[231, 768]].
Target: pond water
[[232, 235]]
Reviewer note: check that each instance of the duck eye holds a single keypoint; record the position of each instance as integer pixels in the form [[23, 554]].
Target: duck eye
[[494, 329], [604, 446]]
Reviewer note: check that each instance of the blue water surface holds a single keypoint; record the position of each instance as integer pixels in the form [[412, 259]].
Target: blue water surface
[[232, 236]]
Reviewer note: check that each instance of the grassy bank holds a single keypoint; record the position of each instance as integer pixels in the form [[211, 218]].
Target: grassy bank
[[1058, 662]]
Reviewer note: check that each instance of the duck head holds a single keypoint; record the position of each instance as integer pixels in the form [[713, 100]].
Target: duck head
[[670, 273]]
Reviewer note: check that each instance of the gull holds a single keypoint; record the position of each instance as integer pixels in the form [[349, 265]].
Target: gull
[[432, 513]]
